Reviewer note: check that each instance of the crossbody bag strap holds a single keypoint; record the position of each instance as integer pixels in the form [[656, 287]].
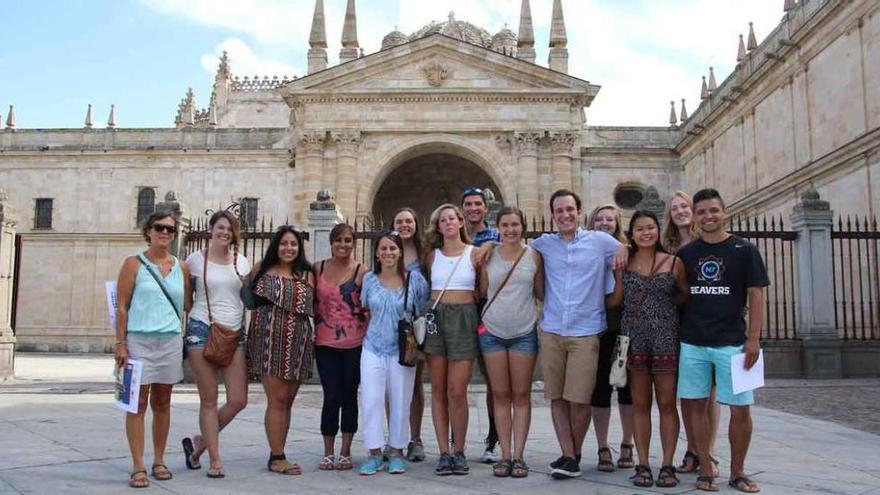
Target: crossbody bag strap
[[205, 284], [644, 292], [449, 278], [504, 282], [159, 281], [406, 294]]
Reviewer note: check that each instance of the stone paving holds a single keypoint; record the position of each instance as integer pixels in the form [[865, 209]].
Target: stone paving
[[59, 433]]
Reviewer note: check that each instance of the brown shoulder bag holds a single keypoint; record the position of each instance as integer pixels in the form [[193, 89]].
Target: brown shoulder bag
[[222, 340]]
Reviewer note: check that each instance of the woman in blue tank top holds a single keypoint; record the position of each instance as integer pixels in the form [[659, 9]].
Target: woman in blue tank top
[[150, 296]]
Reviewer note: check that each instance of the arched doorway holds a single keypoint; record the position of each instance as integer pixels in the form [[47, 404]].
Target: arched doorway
[[426, 181]]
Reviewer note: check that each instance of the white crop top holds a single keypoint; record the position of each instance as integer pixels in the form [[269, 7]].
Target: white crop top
[[464, 278]]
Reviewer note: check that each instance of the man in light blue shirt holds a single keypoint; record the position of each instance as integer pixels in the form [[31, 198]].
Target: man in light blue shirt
[[576, 262]]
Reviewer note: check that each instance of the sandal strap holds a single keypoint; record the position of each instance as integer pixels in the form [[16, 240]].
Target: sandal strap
[[139, 472]]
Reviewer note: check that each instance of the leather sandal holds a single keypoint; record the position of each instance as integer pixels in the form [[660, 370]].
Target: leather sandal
[[606, 461], [744, 484], [278, 464], [707, 484], [625, 461], [138, 481], [666, 478], [161, 472], [689, 464], [643, 477]]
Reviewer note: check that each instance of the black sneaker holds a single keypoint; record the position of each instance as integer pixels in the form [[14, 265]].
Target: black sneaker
[[444, 466], [459, 464], [570, 468], [558, 462]]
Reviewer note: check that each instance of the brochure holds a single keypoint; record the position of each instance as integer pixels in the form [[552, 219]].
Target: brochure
[[128, 385]]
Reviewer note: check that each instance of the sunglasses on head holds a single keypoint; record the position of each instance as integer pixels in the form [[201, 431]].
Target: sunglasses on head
[[169, 229], [471, 191]]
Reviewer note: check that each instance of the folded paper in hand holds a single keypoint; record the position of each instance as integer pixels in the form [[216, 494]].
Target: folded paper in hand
[[746, 379]]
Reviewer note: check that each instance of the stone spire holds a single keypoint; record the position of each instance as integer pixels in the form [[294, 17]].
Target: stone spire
[[704, 91], [88, 122], [558, 58], [788, 5], [349, 50], [525, 45], [111, 120], [684, 113], [318, 40], [753, 42], [741, 51], [673, 117], [10, 118], [212, 115], [712, 85]]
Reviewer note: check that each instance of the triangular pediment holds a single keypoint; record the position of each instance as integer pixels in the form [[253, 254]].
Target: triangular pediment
[[439, 64]]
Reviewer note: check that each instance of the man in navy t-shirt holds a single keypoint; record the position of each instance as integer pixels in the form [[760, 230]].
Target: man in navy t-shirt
[[726, 276]]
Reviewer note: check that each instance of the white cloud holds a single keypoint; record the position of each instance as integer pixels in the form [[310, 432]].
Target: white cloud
[[643, 53], [245, 62]]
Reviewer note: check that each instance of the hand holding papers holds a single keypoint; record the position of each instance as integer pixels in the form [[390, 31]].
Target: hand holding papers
[[746, 379], [128, 385]]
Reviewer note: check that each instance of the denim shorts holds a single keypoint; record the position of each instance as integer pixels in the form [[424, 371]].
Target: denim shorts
[[197, 334], [524, 344]]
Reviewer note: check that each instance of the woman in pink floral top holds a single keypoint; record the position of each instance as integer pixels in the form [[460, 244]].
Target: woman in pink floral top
[[340, 325]]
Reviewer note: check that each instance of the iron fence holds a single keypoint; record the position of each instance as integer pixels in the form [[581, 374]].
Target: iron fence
[[854, 252], [776, 246]]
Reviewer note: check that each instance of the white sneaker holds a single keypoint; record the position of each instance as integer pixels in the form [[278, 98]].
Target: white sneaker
[[489, 455]]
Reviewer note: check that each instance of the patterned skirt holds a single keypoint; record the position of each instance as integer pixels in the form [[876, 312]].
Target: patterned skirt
[[280, 344]]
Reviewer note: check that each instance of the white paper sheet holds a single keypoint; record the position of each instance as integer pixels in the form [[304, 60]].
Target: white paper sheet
[[128, 385], [743, 379], [112, 304]]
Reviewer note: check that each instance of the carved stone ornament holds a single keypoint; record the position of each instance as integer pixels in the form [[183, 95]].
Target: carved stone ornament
[[810, 201], [324, 201], [527, 142], [312, 140], [347, 141], [563, 141], [436, 74]]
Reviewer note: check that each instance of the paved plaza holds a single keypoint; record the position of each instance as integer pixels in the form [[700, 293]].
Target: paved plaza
[[59, 433]]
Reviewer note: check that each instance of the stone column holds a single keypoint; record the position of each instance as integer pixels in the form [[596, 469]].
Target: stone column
[[323, 215], [347, 144], [812, 219], [561, 145], [7, 271], [310, 154], [527, 164]]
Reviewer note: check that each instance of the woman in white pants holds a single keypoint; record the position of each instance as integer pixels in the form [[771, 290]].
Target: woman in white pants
[[382, 295]]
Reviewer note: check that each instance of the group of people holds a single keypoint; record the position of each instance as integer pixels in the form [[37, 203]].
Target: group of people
[[679, 293]]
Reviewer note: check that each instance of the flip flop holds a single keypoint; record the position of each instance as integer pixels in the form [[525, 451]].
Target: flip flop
[[710, 485], [188, 451], [215, 473]]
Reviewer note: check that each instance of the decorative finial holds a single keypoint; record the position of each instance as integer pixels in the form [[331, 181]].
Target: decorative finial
[[88, 123], [111, 120], [525, 41], [684, 113], [558, 37], [704, 90], [753, 42], [10, 118], [318, 36], [349, 28], [788, 5], [741, 51], [451, 16], [712, 85], [223, 68], [673, 118]]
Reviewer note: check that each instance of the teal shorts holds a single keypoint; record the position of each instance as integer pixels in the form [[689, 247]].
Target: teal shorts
[[695, 374]]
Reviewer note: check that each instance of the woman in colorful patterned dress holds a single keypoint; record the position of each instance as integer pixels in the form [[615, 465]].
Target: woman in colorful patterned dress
[[281, 337]]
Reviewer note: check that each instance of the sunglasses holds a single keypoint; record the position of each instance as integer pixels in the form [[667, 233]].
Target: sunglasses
[[471, 191], [431, 325], [168, 229]]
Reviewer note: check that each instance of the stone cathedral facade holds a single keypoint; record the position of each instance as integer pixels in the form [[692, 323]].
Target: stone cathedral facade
[[432, 112]]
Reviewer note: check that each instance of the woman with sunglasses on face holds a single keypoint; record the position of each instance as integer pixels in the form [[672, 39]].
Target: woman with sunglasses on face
[[340, 324], [607, 219], [511, 281], [404, 223], [150, 296], [649, 288], [679, 230], [390, 293], [280, 336], [217, 268], [451, 347]]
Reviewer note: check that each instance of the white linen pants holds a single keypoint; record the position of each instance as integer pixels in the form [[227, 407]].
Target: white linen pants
[[381, 375]]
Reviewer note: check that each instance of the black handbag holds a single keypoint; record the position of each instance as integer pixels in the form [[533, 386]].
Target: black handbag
[[407, 347]]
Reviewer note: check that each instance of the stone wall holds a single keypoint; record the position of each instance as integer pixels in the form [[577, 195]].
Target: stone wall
[[802, 110]]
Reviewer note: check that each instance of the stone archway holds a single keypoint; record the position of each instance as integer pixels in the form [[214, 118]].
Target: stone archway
[[426, 181]]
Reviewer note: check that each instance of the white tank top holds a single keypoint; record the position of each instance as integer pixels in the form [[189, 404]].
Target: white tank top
[[464, 278]]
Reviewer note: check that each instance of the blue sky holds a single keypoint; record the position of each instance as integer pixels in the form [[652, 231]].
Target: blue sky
[[141, 55]]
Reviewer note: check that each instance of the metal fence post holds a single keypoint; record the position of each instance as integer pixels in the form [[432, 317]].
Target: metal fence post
[[812, 219], [323, 215], [7, 271]]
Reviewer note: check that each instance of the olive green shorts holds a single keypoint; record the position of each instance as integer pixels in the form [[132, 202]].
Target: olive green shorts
[[456, 336]]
